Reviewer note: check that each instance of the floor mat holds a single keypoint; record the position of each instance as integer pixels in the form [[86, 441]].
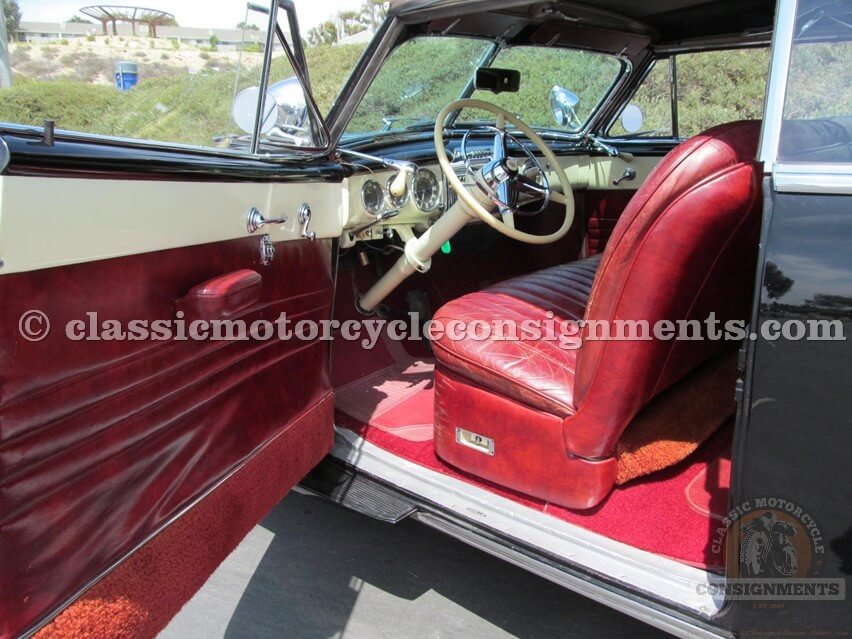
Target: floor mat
[[673, 513]]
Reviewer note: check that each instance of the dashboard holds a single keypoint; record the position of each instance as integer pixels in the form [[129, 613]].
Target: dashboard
[[372, 213]]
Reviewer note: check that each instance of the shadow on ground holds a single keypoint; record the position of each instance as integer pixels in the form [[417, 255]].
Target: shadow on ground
[[328, 572]]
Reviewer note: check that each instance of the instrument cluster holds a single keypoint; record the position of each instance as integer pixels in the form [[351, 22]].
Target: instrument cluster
[[424, 190]]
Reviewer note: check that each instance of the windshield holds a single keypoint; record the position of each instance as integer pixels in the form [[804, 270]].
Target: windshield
[[424, 75]]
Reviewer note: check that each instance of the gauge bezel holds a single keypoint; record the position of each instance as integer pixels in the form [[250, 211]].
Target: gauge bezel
[[414, 193], [381, 202], [389, 196]]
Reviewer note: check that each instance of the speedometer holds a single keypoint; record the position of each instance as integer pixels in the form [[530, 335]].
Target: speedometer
[[427, 190], [373, 197]]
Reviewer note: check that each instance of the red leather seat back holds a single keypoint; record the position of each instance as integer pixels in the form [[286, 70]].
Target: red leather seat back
[[685, 247]]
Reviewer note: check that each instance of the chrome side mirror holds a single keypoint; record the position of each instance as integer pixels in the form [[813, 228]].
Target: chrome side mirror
[[632, 118], [292, 106], [562, 103], [244, 111]]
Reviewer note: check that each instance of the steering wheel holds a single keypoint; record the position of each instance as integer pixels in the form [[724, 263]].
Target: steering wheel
[[502, 180]]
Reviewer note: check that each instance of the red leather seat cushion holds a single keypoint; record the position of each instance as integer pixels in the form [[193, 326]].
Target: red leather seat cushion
[[537, 372]]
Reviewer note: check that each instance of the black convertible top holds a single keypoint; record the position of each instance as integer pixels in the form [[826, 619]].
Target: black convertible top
[[662, 21]]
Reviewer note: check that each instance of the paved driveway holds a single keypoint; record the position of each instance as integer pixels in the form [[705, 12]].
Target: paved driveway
[[312, 570]]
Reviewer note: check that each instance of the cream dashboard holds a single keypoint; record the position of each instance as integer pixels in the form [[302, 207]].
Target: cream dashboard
[[373, 213]]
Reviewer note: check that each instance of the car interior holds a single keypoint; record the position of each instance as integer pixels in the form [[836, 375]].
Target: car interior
[[628, 439]]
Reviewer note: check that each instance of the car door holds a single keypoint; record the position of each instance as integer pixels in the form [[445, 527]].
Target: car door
[[154, 402], [791, 456]]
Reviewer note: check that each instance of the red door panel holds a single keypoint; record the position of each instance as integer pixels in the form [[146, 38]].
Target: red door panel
[[104, 443], [604, 208]]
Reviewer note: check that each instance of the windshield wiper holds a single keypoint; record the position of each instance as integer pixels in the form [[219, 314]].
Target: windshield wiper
[[390, 121]]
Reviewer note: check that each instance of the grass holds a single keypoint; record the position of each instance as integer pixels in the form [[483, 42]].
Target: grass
[[192, 109]]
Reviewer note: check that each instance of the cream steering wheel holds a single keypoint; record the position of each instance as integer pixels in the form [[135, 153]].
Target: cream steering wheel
[[506, 173]]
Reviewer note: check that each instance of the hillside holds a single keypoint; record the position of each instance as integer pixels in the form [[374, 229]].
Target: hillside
[[185, 92]]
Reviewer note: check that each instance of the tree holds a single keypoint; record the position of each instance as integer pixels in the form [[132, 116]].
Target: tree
[[348, 23], [12, 13], [373, 12], [245, 26], [325, 33], [78, 20], [777, 284]]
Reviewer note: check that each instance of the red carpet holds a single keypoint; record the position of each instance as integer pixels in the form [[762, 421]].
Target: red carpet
[[139, 598], [667, 513]]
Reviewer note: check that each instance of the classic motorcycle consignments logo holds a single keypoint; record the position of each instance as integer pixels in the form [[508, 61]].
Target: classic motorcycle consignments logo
[[778, 549]]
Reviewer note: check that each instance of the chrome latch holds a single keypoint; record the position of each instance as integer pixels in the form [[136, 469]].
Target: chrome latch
[[305, 220], [267, 250], [255, 220], [479, 443]]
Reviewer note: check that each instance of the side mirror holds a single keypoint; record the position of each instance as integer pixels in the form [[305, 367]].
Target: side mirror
[[562, 103], [632, 118], [292, 106], [285, 109], [244, 111]]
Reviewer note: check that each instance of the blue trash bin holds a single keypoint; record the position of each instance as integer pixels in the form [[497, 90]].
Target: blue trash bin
[[126, 75]]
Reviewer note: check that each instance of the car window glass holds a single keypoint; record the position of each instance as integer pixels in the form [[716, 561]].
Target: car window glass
[[165, 76], [713, 87], [654, 99], [818, 105], [589, 76]]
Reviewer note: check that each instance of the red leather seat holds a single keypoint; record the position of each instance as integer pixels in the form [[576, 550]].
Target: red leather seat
[[685, 247]]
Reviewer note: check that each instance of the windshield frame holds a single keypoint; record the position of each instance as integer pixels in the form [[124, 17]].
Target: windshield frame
[[488, 58]]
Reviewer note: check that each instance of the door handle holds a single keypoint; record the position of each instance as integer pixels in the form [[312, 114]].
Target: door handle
[[255, 220]]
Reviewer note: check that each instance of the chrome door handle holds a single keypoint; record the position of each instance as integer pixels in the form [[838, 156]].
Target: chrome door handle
[[255, 220], [305, 220]]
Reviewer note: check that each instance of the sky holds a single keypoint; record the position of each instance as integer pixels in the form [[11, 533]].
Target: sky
[[189, 13]]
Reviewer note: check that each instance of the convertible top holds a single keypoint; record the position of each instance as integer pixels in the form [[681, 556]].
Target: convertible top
[[661, 21]]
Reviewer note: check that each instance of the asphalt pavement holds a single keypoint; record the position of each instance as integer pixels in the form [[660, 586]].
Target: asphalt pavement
[[313, 570]]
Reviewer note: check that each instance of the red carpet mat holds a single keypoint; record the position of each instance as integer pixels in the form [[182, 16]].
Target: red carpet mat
[[672, 513]]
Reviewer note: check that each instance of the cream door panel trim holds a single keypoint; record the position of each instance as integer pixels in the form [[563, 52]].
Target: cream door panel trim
[[603, 171], [50, 222]]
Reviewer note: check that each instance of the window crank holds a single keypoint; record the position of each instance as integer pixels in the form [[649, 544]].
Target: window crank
[[255, 220], [305, 220], [629, 176]]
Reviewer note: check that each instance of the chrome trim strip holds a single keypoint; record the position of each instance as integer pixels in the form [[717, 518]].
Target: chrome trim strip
[[776, 91], [637, 609], [671, 582], [828, 179]]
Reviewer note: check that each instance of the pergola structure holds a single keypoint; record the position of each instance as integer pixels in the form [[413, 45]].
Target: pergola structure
[[106, 14]]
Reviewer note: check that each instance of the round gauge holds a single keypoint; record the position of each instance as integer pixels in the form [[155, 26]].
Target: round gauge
[[396, 202], [426, 189], [373, 197]]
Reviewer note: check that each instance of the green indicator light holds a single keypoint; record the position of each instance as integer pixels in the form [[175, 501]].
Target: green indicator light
[[447, 248]]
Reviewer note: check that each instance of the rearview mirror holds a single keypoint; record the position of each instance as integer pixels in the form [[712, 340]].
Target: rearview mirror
[[497, 80], [562, 103]]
